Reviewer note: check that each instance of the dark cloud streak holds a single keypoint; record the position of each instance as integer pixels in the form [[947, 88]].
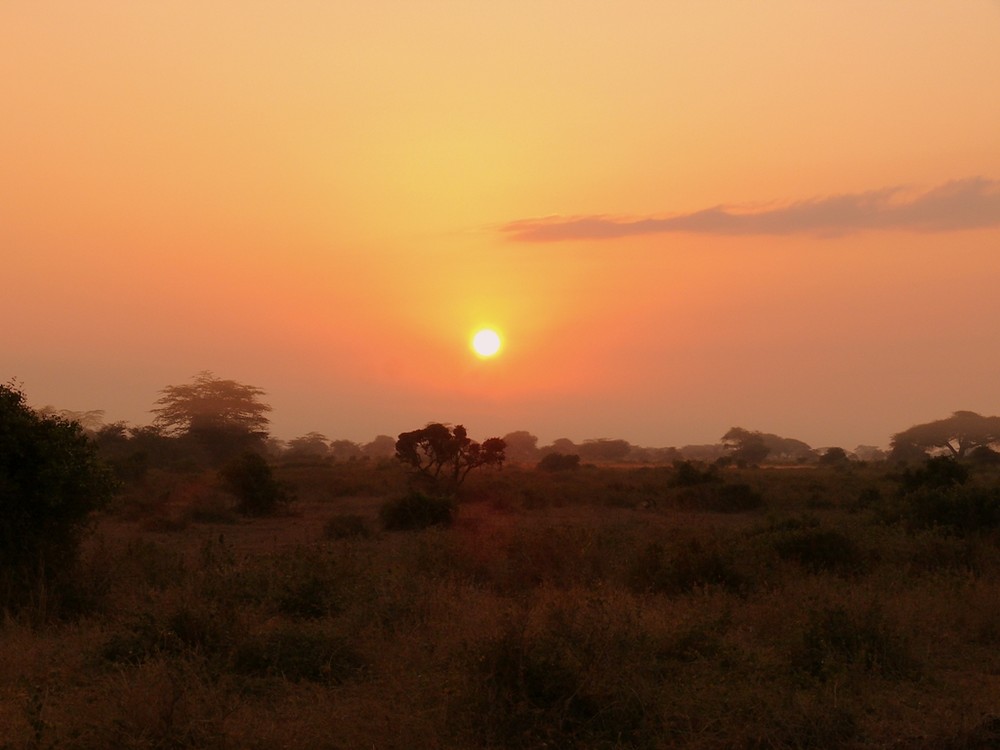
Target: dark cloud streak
[[971, 203]]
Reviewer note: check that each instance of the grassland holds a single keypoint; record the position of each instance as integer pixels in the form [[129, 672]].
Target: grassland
[[610, 607]]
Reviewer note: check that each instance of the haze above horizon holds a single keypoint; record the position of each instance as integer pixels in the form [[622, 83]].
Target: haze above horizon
[[680, 217]]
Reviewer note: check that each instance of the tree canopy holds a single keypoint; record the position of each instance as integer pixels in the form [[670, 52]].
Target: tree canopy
[[445, 456], [50, 481], [211, 403], [959, 434], [745, 446]]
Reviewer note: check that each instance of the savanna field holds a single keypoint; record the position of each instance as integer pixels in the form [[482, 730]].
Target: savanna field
[[683, 606]]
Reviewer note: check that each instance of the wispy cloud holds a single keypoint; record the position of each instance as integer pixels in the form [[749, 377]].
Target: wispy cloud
[[961, 204]]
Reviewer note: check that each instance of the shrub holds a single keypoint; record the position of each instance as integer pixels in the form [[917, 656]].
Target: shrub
[[937, 472], [836, 640], [961, 510], [251, 480], [819, 550], [51, 481], [549, 689], [693, 565], [559, 462], [738, 497], [687, 474], [417, 511]]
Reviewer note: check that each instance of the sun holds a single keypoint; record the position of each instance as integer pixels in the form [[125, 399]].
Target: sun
[[486, 342]]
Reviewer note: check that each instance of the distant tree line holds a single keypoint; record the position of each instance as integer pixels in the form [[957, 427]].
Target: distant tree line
[[211, 421]]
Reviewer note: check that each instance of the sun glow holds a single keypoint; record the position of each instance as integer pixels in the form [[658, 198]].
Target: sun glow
[[486, 342]]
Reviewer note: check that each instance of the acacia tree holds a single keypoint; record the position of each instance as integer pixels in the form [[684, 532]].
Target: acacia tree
[[446, 456], [959, 434], [745, 446], [310, 445], [224, 416]]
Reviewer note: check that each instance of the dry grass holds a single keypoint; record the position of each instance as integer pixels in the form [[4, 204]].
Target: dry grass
[[599, 609]]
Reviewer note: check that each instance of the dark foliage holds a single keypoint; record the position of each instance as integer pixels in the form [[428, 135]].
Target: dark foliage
[[251, 480], [443, 457], [960, 510], [417, 510], [736, 498], [836, 640], [959, 434], [746, 448], [690, 566], [559, 462], [51, 481], [821, 550], [221, 417], [940, 471], [688, 474], [538, 690], [834, 457]]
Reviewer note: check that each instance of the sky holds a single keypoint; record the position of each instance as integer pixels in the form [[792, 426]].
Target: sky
[[680, 216]]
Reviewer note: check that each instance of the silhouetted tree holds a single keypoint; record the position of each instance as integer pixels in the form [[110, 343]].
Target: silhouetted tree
[[310, 445], [90, 421], [51, 480], [445, 456], [522, 446], [345, 450], [562, 445], [383, 446], [870, 453], [834, 457], [745, 446], [223, 416], [960, 433], [604, 449]]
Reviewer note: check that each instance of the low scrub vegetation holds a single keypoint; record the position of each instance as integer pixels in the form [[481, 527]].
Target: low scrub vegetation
[[681, 606]]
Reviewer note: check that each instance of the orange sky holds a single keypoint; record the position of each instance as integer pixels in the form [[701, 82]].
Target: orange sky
[[683, 216]]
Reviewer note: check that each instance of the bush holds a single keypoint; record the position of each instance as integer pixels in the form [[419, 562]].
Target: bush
[[836, 639], [940, 471], [559, 462], [51, 481], [250, 478], [738, 497], [687, 474], [550, 689], [819, 550], [693, 565], [417, 511], [961, 510]]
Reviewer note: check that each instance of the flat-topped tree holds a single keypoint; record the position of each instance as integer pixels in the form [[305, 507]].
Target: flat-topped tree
[[224, 416], [959, 434]]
